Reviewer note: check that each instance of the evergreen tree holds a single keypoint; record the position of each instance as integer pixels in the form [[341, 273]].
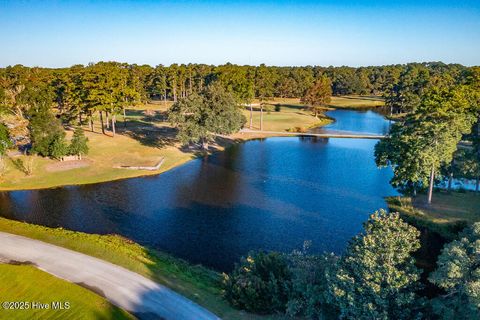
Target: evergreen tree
[[78, 144], [45, 129], [58, 147], [417, 147], [259, 283], [319, 95]]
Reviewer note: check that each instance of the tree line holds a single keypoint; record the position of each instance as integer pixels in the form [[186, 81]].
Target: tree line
[[82, 94], [375, 278]]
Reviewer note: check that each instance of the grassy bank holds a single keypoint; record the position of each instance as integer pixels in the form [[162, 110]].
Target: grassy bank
[[195, 282], [448, 214], [360, 102], [284, 118], [24, 283], [340, 102]]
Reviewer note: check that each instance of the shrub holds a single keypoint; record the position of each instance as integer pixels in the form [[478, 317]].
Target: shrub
[[58, 147], [308, 292], [259, 283]]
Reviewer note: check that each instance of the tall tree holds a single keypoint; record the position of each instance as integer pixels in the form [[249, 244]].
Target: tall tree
[[417, 147], [47, 134], [376, 277], [78, 144], [319, 95], [199, 118], [264, 84], [405, 95]]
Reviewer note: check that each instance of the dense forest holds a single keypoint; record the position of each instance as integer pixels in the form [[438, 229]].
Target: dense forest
[[107, 88]]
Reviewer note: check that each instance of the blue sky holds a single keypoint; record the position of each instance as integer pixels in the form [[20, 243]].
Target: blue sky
[[355, 33]]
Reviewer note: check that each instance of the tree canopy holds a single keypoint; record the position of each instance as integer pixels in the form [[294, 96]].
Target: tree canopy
[[199, 118], [426, 139], [376, 278], [319, 95], [458, 273]]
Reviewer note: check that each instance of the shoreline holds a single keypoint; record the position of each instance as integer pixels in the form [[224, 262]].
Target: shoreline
[[105, 174], [233, 139]]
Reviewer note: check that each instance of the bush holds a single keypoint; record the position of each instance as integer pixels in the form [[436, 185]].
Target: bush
[[259, 283], [278, 108], [308, 292], [58, 147]]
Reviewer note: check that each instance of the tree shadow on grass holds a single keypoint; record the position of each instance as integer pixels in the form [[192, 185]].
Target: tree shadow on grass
[[149, 134], [147, 115]]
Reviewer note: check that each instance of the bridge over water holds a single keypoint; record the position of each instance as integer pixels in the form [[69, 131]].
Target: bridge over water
[[320, 135]]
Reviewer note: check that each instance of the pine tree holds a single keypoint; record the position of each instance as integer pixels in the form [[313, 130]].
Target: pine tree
[[319, 95], [78, 144], [58, 147]]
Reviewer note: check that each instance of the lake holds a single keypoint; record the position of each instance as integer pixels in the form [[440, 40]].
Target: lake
[[271, 194]]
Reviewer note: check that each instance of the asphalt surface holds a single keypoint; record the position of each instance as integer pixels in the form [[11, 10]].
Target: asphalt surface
[[142, 297]]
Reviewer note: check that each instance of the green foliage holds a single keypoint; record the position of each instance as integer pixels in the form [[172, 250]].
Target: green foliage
[[404, 95], [5, 141], [458, 273], [58, 147], [376, 278], [78, 144], [46, 133], [319, 95], [201, 117], [308, 291], [259, 283], [428, 137]]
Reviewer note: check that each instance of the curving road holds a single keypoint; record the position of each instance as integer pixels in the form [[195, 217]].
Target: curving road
[[126, 289]]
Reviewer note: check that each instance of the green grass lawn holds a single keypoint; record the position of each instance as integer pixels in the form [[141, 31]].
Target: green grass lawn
[[356, 102], [448, 213], [288, 117], [24, 283], [195, 282], [352, 101]]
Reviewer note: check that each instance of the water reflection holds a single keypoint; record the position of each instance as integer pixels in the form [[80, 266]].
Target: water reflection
[[265, 194]]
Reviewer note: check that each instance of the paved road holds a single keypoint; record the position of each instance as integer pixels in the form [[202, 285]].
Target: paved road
[[128, 290], [321, 135]]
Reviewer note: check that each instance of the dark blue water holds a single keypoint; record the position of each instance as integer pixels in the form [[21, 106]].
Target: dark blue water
[[265, 194]]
